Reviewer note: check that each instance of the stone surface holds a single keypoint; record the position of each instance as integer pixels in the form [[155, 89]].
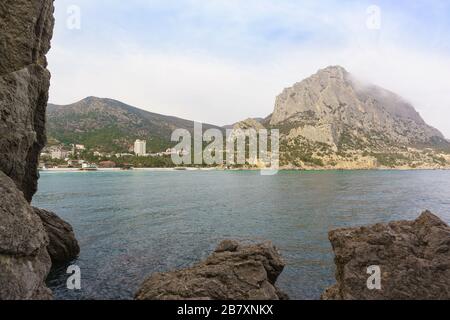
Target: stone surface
[[336, 98], [24, 81], [26, 29], [249, 123], [413, 256], [232, 272], [24, 261], [63, 246]]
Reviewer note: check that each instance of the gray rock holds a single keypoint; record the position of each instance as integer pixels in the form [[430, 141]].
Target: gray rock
[[413, 256], [334, 121], [63, 246], [24, 261], [26, 29], [332, 100], [24, 81], [230, 273], [249, 123], [227, 245]]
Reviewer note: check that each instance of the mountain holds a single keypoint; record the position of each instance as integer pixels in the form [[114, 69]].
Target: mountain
[[331, 119], [110, 125], [250, 123]]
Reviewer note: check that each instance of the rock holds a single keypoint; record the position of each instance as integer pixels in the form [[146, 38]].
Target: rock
[[24, 82], [413, 256], [26, 29], [63, 246], [24, 261], [232, 272], [332, 120], [227, 245], [334, 97], [249, 123]]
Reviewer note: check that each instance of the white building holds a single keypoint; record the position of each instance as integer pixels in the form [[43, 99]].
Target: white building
[[120, 155], [140, 147], [58, 153], [80, 147]]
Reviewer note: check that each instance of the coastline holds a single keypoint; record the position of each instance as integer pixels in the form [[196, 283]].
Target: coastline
[[72, 170]]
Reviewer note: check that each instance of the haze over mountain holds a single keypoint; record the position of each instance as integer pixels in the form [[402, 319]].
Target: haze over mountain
[[332, 103]]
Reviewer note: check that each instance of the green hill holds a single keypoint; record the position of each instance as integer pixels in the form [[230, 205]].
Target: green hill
[[111, 126]]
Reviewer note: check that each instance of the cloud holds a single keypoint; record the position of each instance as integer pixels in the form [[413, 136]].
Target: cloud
[[222, 61]]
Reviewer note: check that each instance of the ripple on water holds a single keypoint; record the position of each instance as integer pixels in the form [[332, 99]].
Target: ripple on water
[[131, 224]]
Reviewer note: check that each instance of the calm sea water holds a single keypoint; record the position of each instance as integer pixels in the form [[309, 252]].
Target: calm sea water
[[131, 224]]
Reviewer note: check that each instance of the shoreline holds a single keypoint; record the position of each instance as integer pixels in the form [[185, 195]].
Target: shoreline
[[71, 170]]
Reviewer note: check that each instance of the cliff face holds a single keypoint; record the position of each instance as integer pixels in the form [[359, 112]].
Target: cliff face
[[332, 120], [24, 82], [332, 97], [26, 29]]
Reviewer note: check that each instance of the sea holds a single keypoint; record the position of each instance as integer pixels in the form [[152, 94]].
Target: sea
[[131, 224]]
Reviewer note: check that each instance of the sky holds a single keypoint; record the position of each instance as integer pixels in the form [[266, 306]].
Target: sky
[[221, 61]]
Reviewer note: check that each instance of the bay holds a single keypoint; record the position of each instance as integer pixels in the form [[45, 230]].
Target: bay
[[133, 223]]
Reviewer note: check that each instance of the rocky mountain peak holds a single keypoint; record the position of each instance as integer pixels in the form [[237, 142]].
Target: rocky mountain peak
[[333, 100], [333, 72]]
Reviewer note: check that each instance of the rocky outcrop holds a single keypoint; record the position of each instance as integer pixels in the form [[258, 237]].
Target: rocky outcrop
[[232, 272], [413, 259], [63, 246], [249, 123], [332, 120], [24, 82], [333, 97], [24, 261]]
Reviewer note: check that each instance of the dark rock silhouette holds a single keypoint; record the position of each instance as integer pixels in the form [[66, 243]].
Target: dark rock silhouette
[[24, 260], [27, 27], [63, 246]]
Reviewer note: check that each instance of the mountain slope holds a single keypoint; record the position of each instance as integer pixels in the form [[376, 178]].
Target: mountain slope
[[331, 119], [110, 125]]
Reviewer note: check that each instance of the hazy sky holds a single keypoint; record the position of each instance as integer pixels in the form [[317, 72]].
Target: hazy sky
[[220, 61]]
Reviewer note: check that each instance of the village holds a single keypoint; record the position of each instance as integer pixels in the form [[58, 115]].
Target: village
[[78, 156]]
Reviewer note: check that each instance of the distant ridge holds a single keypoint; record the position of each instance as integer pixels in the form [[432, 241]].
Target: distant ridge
[[111, 125], [329, 121]]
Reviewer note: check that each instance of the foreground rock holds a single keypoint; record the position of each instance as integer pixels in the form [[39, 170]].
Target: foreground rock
[[26, 29], [413, 256], [63, 246], [24, 261], [232, 272], [24, 82]]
